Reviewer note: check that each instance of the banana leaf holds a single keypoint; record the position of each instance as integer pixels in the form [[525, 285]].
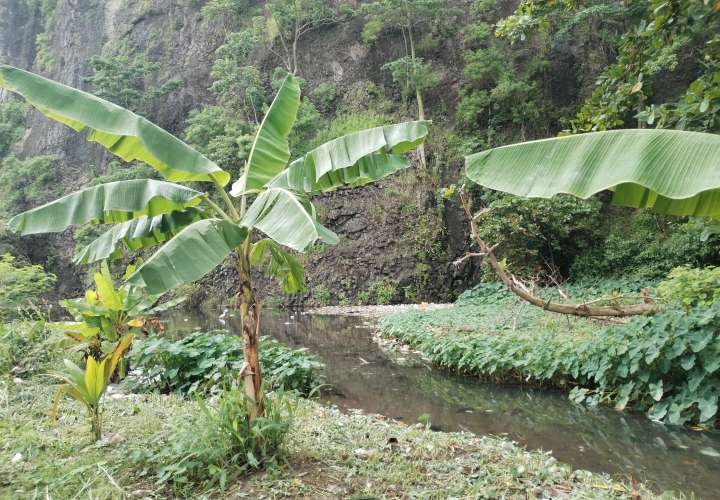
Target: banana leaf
[[354, 159], [669, 171], [124, 133], [137, 233], [287, 219], [279, 264], [106, 203], [192, 253], [270, 151]]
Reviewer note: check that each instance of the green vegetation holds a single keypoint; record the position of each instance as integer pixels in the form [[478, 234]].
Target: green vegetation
[[689, 288], [121, 79], [667, 365], [12, 124], [325, 450], [21, 286], [206, 362]]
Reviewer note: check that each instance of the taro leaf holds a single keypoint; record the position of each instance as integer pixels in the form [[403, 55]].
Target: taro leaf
[[700, 339], [656, 390], [708, 407], [687, 362]]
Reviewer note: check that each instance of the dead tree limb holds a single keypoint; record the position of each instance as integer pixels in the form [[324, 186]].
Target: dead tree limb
[[516, 286]]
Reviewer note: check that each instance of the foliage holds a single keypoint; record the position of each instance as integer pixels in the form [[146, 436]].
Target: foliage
[[383, 291], [121, 79], [220, 135], [26, 182], [109, 317], [322, 295], [217, 9], [325, 94], [21, 285], [689, 288], [344, 124], [646, 244], [12, 124], [88, 386], [26, 347], [213, 449], [412, 75], [666, 365], [540, 235], [206, 361]]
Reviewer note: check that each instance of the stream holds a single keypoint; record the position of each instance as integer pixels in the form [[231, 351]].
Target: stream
[[399, 386]]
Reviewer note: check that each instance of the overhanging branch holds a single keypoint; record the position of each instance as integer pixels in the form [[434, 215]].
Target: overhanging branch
[[587, 310]]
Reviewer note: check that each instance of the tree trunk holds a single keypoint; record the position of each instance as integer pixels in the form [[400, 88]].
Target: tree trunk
[[418, 94], [250, 315]]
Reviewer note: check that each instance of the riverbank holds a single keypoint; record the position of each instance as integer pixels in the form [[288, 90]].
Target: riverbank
[[375, 311], [665, 366], [329, 455]]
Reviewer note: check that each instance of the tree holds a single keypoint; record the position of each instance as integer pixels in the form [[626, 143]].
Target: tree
[[405, 16], [287, 21], [668, 171], [198, 234]]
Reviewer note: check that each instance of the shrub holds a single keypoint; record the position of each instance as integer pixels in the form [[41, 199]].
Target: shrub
[[384, 291], [322, 295], [206, 361], [325, 93], [12, 124], [20, 285], [539, 234], [26, 347], [688, 287], [216, 446], [348, 123]]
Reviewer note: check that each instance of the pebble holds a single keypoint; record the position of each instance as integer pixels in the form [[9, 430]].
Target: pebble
[[18, 457]]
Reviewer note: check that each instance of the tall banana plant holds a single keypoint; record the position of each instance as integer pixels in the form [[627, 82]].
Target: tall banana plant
[[267, 211]]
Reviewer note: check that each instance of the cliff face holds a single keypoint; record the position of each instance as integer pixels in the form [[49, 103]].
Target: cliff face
[[387, 229]]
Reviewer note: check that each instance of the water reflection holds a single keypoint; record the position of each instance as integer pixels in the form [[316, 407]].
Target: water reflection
[[598, 439]]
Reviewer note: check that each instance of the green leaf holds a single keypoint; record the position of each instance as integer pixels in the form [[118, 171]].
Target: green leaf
[[106, 203], [354, 159], [107, 294], [270, 151], [287, 219], [280, 264], [671, 171], [191, 254], [124, 133], [708, 407], [138, 233]]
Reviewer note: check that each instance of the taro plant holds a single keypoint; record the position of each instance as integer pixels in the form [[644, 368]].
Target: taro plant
[[672, 172], [275, 214], [88, 386]]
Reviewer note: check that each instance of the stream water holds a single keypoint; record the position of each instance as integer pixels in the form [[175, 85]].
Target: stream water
[[364, 376]]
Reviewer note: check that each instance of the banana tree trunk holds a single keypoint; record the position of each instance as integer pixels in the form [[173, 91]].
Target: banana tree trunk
[[250, 315]]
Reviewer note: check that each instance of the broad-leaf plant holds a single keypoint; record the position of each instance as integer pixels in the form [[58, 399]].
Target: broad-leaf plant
[[672, 172], [266, 213]]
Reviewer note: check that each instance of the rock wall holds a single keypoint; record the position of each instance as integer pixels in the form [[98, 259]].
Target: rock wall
[[383, 227]]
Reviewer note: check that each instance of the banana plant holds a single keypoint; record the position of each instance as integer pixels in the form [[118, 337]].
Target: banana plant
[[106, 314], [89, 385], [266, 213]]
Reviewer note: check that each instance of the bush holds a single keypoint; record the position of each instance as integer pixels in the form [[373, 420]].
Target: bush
[[12, 124], [688, 287], [204, 362], [384, 291], [20, 285], [540, 234], [325, 93], [347, 124], [214, 448], [26, 347], [322, 295]]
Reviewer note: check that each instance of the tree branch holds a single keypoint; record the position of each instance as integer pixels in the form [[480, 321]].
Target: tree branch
[[518, 288]]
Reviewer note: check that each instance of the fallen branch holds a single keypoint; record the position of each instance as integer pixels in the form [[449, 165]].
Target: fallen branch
[[516, 286]]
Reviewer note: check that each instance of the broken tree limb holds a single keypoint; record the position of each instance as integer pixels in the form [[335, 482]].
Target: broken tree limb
[[647, 307]]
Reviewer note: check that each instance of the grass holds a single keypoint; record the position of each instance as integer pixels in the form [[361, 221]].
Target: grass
[[329, 454]]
